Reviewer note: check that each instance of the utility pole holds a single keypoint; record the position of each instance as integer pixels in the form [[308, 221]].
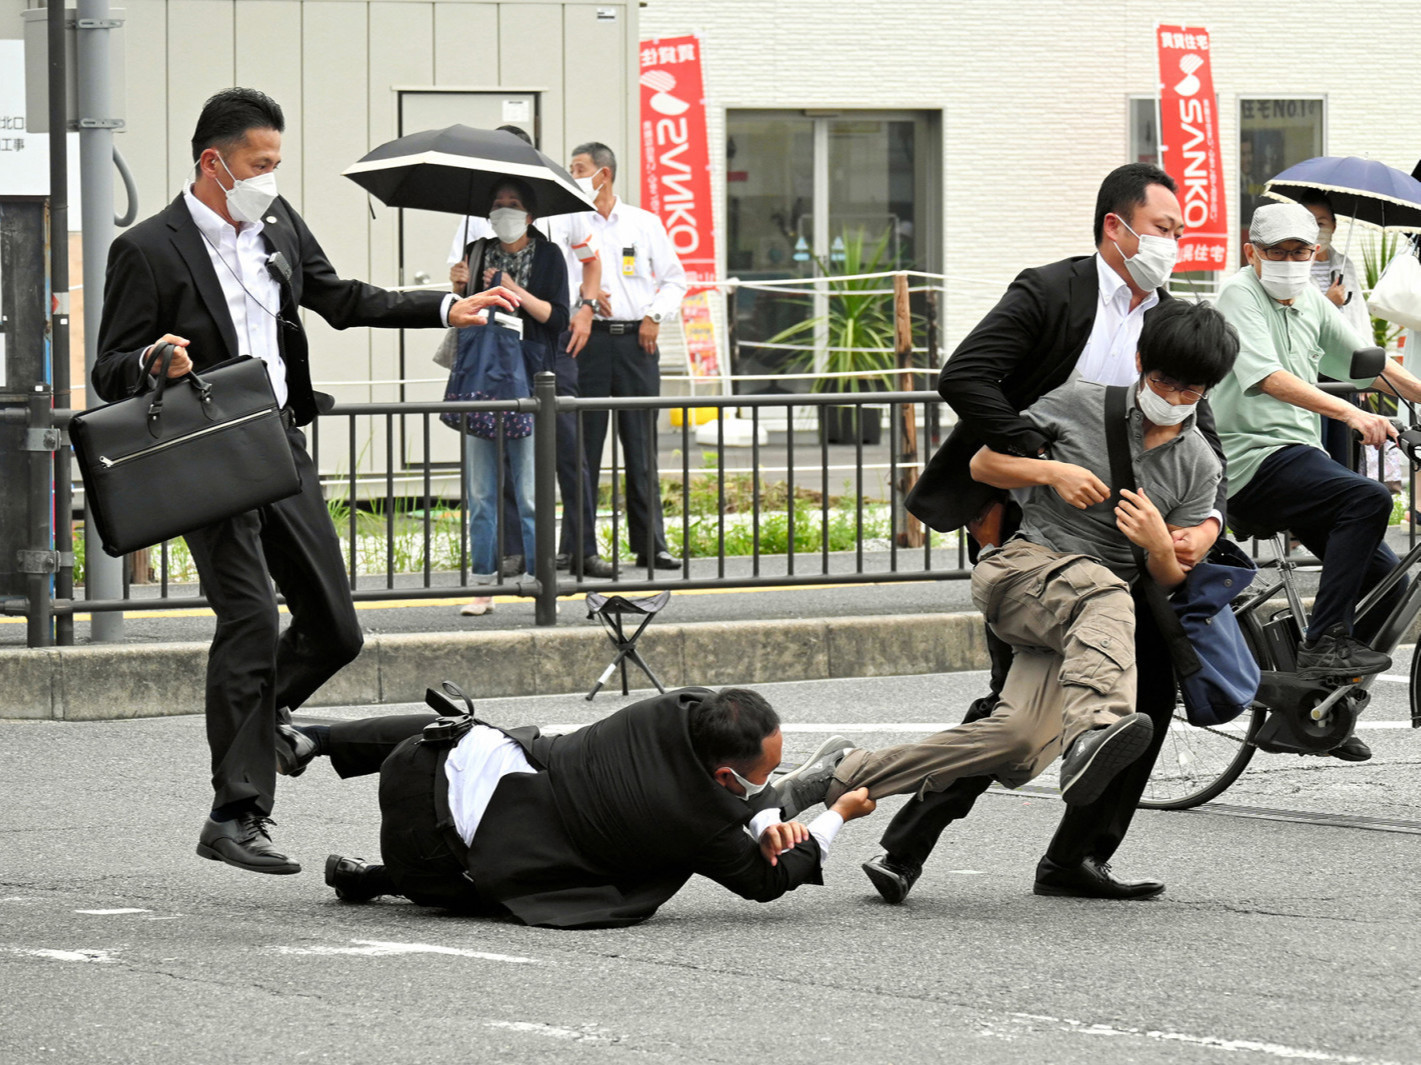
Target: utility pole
[[103, 574]]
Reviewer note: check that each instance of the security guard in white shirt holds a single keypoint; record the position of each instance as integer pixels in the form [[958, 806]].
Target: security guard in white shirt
[[643, 282]]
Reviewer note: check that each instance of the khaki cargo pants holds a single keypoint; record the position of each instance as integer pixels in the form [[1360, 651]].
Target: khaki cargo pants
[[1071, 623]]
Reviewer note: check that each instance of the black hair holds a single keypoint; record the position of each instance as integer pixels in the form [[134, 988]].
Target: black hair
[[1125, 188], [518, 185], [729, 728], [521, 134], [229, 114], [1316, 198], [601, 156], [1190, 343]]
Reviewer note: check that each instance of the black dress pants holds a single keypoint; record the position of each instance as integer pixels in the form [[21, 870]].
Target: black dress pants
[[253, 667], [417, 843], [615, 365], [1093, 831]]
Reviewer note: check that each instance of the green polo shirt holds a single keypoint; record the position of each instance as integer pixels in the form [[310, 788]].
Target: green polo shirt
[[1304, 338]]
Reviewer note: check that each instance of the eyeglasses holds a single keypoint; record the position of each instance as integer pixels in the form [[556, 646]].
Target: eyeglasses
[[1277, 255], [1171, 387]]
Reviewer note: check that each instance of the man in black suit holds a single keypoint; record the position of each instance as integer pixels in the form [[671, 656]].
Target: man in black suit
[[1082, 315], [220, 272], [596, 828]]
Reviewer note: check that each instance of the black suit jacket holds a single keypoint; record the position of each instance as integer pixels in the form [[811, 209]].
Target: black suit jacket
[[160, 279], [1027, 345], [619, 817]]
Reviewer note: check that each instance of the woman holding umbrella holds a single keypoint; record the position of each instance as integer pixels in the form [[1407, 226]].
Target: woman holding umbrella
[[534, 271]]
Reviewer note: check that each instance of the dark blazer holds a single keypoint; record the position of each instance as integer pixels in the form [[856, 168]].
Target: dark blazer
[[548, 281], [619, 817], [160, 279], [1027, 345]]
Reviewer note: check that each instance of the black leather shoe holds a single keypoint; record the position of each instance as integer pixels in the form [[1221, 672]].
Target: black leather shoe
[[352, 878], [1091, 879], [1352, 749], [597, 566], [510, 566], [1338, 653], [892, 879], [662, 560], [294, 751], [1098, 755], [245, 843], [563, 562]]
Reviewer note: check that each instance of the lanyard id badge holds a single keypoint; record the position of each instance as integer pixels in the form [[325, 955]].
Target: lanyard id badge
[[629, 261]]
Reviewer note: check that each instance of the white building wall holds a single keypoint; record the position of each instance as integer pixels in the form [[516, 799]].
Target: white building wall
[[1035, 96]]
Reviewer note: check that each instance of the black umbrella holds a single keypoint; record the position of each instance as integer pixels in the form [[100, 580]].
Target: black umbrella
[[456, 170]]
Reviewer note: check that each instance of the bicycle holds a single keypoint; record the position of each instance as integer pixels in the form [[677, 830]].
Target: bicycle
[[1289, 715]]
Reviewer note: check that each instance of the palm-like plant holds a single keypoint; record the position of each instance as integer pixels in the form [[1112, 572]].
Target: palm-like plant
[[859, 326]]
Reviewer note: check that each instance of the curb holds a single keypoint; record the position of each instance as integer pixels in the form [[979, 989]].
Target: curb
[[113, 683]]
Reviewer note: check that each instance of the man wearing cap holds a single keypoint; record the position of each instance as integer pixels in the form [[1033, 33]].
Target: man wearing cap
[[1279, 476]]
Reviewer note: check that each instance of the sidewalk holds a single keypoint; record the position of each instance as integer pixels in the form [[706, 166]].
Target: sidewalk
[[715, 637]]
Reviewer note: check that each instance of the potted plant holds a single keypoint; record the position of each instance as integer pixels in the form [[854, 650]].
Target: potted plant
[[858, 333]]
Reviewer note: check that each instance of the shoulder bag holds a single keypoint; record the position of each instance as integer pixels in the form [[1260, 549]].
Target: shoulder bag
[[1218, 675], [195, 451]]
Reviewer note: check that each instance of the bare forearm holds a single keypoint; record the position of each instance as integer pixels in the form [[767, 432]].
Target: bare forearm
[[1283, 386], [1009, 471]]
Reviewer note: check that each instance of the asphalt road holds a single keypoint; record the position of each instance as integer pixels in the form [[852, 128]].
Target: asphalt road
[[1277, 940]]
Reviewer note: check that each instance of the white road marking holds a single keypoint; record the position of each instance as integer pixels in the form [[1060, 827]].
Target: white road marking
[[375, 948], [66, 955], [108, 913], [1394, 680], [587, 1033], [1275, 1050]]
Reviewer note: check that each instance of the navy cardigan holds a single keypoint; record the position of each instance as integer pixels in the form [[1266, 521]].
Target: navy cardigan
[[548, 281]]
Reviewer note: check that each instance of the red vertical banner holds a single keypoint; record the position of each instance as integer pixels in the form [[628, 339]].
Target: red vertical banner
[[1189, 144], [675, 176]]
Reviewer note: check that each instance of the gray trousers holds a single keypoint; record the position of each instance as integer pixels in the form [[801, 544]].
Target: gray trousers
[[1071, 623]]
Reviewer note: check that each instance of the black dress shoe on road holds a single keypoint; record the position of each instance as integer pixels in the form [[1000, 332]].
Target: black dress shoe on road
[[662, 560], [354, 879], [1338, 653], [892, 879], [1091, 879], [1352, 749], [294, 751], [1098, 755], [245, 843], [510, 566]]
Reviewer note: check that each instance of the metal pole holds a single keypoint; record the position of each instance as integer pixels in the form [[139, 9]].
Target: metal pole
[[59, 310], [103, 575], [545, 477], [911, 529], [39, 565]]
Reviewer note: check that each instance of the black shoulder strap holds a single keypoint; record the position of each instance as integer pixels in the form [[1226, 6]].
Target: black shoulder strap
[[1122, 475]]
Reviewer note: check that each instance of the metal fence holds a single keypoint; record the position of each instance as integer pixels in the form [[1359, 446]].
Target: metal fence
[[405, 532], [390, 511]]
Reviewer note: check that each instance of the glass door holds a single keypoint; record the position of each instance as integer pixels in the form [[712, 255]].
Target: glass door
[[809, 196]]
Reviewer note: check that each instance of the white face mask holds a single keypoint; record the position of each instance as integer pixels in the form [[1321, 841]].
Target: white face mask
[[1154, 262], [1285, 280], [751, 790], [1324, 237], [248, 198], [509, 223], [586, 185], [1159, 410]]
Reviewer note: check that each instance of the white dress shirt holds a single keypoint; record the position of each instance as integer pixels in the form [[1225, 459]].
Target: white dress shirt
[[639, 266], [252, 294], [823, 828], [1109, 355]]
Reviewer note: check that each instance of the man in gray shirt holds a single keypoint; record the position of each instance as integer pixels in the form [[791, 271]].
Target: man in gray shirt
[[1059, 591]]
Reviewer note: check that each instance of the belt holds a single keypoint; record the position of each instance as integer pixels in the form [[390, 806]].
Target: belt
[[615, 328], [288, 418]]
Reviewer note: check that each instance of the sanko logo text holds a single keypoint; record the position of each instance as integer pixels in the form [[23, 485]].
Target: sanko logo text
[[679, 203]]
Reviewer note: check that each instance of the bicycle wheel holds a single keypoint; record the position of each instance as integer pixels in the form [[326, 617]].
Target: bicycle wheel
[[1197, 763]]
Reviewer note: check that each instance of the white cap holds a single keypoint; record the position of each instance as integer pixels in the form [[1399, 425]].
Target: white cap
[[1274, 223]]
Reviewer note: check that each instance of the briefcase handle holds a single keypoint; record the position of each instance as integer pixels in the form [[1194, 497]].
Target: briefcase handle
[[164, 351]]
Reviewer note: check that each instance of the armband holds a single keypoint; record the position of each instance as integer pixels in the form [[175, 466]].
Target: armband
[[584, 251]]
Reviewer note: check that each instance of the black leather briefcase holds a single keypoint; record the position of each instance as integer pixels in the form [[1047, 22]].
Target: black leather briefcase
[[193, 451]]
